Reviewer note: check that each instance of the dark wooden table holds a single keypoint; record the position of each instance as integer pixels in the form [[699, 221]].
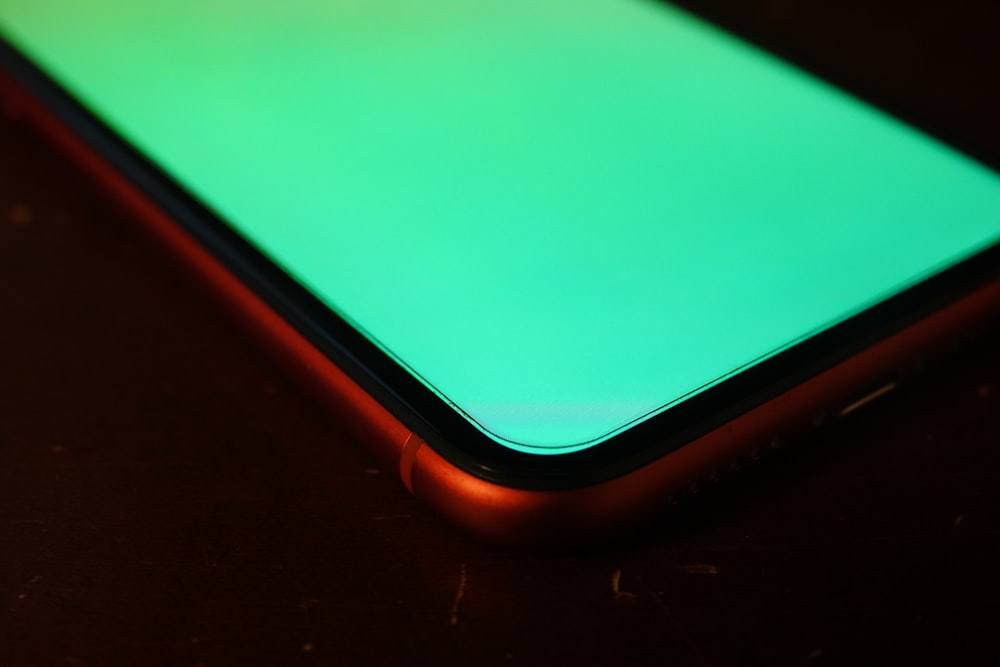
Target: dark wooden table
[[166, 497]]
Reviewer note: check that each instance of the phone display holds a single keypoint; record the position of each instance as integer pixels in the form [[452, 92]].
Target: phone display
[[560, 219]]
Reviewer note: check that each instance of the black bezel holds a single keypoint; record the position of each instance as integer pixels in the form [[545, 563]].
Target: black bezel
[[435, 420]]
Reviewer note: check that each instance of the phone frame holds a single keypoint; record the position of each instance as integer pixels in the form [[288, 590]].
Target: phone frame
[[497, 492]]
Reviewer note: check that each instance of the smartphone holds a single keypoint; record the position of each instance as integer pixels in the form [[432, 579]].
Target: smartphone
[[560, 262]]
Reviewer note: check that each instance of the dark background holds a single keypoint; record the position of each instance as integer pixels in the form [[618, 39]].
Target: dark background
[[167, 497]]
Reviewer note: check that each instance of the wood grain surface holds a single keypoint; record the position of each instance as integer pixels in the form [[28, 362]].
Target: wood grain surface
[[166, 497]]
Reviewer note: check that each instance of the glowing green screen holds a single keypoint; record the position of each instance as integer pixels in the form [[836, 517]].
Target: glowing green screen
[[563, 216]]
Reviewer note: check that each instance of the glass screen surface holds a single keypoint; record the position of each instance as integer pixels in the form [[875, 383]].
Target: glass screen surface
[[563, 217]]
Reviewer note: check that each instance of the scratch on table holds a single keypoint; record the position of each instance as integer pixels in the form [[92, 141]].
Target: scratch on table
[[307, 603], [24, 593], [616, 579], [698, 568], [459, 594]]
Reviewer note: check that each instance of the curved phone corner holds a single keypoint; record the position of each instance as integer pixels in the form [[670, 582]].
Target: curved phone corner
[[588, 515], [538, 519]]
